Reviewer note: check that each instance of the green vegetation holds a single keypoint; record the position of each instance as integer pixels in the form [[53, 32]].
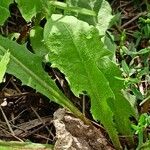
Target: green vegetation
[[75, 40], [23, 145]]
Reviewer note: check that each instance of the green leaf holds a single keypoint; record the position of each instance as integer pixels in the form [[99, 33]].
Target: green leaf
[[36, 38], [121, 108], [75, 48], [101, 8], [141, 52], [125, 67], [30, 8], [6, 3], [28, 68], [15, 145], [5, 15], [80, 10], [38, 8], [103, 21], [4, 9], [109, 43], [145, 146], [3, 65], [89, 4]]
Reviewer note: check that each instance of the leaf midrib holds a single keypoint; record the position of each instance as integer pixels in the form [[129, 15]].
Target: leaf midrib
[[33, 75], [92, 86]]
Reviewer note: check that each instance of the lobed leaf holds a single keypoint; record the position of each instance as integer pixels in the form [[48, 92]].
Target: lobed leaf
[[102, 19], [28, 68], [75, 48], [121, 108]]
